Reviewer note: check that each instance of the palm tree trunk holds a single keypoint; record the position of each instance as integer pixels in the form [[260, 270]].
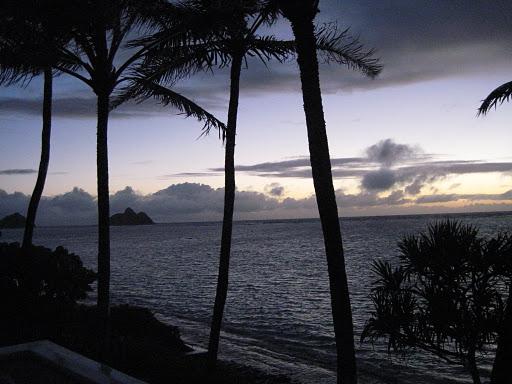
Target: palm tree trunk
[[502, 368], [303, 30], [44, 161], [473, 369], [227, 222], [103, 224]]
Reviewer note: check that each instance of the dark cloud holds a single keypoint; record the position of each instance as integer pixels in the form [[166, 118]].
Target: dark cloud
[[380, 180], [415, 187], [274, 189], [9, 172], [416, 41], [387, 152], [424, 39], [85, 107], [63, 107]]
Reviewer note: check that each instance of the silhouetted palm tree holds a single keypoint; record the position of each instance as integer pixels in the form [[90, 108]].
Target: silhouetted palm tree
[[502, 368], [32, 34], [221, 33], [101, 28], [301, 16]]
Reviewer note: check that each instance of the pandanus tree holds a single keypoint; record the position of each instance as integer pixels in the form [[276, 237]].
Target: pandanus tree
[[446, 295], [32, 35], [502, 368], [301, 15], [101, 30]]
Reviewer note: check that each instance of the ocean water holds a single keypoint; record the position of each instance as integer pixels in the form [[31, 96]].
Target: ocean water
[[277, 315]]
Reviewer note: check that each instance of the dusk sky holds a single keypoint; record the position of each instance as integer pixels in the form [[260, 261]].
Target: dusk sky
[[407, 142]]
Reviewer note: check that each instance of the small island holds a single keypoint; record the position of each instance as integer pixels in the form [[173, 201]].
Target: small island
[[13, 221], [129, 217]]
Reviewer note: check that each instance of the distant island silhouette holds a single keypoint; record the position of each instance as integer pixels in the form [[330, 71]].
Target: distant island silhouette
[[129, 217], [13, 221]]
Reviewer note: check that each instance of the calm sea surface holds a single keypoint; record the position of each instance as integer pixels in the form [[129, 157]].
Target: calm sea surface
[[278, 313]]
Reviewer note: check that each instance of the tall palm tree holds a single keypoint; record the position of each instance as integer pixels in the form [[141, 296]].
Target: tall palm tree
[[220, 33], [229, 38], [502, 368], [301, 16], [100, 30], [32, 34]]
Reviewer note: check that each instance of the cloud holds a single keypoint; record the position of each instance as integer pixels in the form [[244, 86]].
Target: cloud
[[443, 198], [387, 152], [201, 202], [416, 41], [62, 106], [386, 165], [274, 189], [421, 40], [10, 172], [415, 187], [85, 107], [382, 179]]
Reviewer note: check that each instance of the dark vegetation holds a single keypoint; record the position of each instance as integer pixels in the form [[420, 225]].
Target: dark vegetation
[[15, 220], [446, 297], [40, 291], [129, 217]]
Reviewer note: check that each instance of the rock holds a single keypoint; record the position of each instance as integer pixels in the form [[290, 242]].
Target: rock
[[13, 221], [129, 217]]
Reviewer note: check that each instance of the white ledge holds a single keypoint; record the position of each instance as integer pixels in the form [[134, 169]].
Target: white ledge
[[68, 362]]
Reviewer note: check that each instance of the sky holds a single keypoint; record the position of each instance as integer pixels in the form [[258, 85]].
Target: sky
[[407, 142]]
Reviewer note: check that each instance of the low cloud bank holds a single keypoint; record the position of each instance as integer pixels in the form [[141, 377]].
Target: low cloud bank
[[200, 202]]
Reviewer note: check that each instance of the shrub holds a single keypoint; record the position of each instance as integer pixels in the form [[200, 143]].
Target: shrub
[[38, 289], [447, 296]]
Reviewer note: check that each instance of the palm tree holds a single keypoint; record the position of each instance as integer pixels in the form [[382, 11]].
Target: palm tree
[[501, 370], [301, 16], [31, 37], [100, 29], [229, 39]]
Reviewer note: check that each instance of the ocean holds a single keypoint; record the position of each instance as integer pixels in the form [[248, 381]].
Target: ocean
[[277, 315]]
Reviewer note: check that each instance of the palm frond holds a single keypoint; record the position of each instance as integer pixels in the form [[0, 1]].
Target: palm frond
[[498, 96], [168, 65], [268, 47], [141, 90], [342, 48], [33, 34]]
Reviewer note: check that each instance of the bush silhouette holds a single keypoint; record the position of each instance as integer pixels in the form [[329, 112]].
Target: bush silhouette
[[447, 296], [39, 289]]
